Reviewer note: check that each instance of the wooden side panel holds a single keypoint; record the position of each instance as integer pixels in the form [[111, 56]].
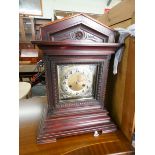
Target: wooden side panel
[[127, 124], [119, 86], [123, 93]]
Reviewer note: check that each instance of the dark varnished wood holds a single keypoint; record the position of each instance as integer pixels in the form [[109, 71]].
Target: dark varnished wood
[[79, 21], [76, 40], [72, 43], [30, 114], [76, 48]]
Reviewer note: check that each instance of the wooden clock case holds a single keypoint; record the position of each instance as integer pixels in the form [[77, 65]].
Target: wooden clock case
[[77, 39]]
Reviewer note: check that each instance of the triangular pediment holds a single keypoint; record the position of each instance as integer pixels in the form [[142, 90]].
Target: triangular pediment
[[78, 32], [75, 28]]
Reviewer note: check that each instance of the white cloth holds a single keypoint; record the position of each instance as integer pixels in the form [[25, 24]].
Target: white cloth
[[123, 34]]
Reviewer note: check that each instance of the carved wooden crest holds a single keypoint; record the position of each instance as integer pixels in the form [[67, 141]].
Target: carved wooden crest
[[77, 28]]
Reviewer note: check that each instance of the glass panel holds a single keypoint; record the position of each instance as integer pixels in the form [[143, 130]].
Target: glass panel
[[28, 29]]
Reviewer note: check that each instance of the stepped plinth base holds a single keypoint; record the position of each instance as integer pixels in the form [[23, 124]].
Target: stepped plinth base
[[57, 126]]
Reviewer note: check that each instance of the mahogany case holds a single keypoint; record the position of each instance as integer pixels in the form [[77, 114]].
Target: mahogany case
[[76, 39]]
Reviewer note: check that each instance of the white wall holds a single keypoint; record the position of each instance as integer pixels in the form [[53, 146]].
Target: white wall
[[114, 2], [87, 6]]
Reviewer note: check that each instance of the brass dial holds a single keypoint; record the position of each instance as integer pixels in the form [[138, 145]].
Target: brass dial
[[76, 81]]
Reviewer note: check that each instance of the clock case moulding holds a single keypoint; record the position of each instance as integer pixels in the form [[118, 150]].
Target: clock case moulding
[[76, 40]]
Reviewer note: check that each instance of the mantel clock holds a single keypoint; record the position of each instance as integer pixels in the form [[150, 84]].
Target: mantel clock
[[76, 51]]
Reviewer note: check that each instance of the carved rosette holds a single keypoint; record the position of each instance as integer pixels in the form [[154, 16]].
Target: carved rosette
[[78, 35]]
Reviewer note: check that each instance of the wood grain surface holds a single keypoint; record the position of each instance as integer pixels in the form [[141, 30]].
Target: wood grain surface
[[128, 112], [86, 144]]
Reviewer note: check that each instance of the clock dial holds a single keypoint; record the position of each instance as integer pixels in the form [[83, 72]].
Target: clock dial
[[76, 81]]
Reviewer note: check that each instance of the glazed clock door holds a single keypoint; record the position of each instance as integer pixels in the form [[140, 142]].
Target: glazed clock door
[[77, 81]]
